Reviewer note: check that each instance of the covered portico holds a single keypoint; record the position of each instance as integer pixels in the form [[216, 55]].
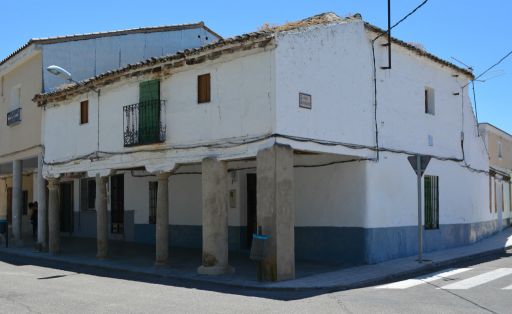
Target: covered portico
[[270, 163]]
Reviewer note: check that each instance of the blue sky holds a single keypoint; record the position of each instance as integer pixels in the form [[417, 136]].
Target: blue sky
[[476, 32]]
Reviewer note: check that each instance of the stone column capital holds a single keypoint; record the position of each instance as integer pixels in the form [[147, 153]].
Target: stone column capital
[[101, 179], [163, 176], [53, 183]]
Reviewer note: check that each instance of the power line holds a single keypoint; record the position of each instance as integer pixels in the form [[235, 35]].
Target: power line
[[403, 19], [494, 65]]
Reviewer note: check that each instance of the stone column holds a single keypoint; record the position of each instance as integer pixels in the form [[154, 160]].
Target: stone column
[[17, 200], [101, 217], [42, 214], [276, 210], [215, 218], [162, 219], [53, 216]]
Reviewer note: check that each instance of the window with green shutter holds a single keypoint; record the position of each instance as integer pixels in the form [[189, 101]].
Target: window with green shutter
[[431, 197], [149, 111]]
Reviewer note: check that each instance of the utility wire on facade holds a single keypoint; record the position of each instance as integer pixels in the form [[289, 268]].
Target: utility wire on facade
[[375, 72]]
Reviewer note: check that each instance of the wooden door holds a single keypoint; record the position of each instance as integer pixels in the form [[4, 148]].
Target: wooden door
[[66, 207], [252, 222], [117, 204]]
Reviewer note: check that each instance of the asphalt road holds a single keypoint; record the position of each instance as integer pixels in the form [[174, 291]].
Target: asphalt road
[[473, 287]]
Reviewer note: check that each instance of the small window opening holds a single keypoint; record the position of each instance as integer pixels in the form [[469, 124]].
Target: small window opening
[[84, 112], [429, 101], [203, 88]]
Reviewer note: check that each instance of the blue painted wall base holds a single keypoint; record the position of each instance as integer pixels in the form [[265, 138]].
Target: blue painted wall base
[[329, 245]]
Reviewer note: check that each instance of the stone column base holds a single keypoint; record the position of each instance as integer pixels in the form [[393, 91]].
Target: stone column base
[[216, 270]]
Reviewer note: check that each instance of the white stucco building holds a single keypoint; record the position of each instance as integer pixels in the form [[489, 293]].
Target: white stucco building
[[296, 129]]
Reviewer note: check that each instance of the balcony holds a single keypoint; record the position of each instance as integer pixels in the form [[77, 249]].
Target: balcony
[[14, 116], [144, 123]]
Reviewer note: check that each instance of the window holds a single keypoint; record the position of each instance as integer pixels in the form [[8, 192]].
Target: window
[[84, 112], [203, 88], [153, 192], [16, 97], [87, 194], [429, 101], [500, 150], [431, 194]]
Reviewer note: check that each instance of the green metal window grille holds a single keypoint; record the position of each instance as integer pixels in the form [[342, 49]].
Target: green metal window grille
[[431, 197]]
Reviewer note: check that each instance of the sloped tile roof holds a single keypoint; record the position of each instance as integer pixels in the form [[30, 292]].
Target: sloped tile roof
[[261, 35]]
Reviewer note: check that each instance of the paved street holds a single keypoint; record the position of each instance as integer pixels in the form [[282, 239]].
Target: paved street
[[474, 287]]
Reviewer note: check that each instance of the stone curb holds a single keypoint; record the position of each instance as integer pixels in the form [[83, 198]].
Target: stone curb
[[257, 286]]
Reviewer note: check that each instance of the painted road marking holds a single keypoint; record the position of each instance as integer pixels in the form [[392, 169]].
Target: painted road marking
[[423, 279], [479, 280]]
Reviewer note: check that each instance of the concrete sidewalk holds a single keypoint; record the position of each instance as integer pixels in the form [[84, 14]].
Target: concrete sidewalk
[[310, 277]]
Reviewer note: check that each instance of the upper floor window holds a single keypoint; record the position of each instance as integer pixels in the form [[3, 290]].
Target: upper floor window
[[500, 150], [16, 97], [84, 112], [430, 101], [203, 88], [144, 122]]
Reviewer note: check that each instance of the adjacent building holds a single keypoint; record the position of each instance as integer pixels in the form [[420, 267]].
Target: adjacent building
[[499, 147], [23, 75]]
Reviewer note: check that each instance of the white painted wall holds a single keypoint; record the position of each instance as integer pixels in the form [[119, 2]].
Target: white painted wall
[[392, 193], [240, 107], [333, 196], [332, 64]]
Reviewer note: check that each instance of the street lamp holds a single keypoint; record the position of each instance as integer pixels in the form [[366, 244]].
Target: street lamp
[[60, 72], [65, 75]]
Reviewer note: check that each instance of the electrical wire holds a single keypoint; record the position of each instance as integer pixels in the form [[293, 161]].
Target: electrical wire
[[320, 142], [375, 73], [494, 65], [402, 19]]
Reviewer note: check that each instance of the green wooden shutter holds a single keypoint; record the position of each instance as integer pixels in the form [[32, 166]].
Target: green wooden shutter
[[149, 111]]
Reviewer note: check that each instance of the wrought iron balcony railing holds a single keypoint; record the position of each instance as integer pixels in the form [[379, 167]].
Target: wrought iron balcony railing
[[14, 116], [144, 123]]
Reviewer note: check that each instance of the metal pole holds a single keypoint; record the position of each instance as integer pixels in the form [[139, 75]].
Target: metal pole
[[420, 229]]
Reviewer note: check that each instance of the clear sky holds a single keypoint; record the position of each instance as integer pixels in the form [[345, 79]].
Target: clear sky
[[475, 32]]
